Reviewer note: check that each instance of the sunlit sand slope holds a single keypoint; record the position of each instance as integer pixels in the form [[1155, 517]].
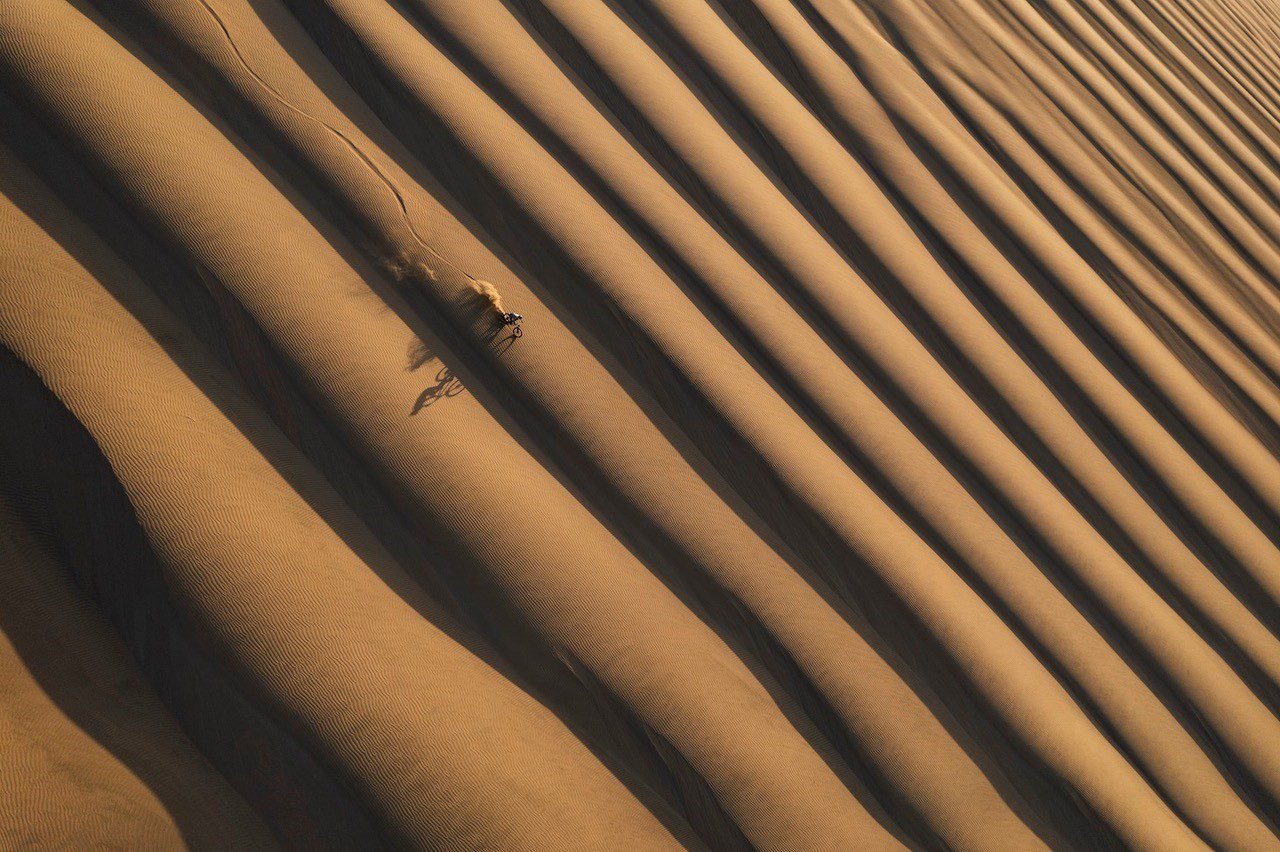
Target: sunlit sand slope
[[888, 457]]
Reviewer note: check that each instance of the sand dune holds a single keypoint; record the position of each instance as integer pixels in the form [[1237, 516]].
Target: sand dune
[[890, 458]]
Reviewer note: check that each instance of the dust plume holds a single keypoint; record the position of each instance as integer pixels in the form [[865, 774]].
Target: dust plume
[[489, 293], [404, 266]]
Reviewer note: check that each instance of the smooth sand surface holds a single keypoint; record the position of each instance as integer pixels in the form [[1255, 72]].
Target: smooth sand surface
[[890, 457]]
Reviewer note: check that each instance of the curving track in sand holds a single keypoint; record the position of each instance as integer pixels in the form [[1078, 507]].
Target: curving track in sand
[[891, 458]]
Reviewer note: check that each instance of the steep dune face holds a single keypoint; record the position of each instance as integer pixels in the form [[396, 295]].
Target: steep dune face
[[891, 457]]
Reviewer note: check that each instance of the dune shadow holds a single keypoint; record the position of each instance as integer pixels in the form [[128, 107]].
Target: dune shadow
[[80, 514]]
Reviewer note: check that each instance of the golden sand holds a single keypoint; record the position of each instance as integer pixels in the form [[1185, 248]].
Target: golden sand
[[891, 457]]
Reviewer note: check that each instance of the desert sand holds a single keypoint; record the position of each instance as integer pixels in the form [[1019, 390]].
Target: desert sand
[[888, 456]]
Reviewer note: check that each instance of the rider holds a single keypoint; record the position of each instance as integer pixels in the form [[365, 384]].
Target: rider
[[511, 318]]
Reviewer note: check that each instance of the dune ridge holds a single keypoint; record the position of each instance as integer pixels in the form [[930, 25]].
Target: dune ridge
[[891, 458]]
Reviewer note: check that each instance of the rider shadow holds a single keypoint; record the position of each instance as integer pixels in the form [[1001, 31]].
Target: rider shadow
[[447, 383]]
